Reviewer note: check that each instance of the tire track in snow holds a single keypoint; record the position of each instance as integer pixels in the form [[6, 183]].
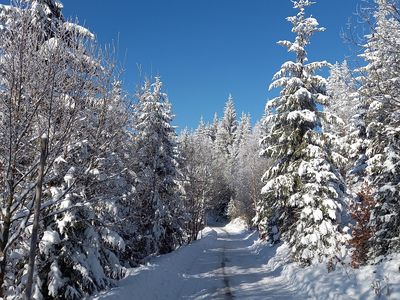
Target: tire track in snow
[[227, 291]]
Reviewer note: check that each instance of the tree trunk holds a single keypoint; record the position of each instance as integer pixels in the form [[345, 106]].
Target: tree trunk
[[6, 234], [36, 213]]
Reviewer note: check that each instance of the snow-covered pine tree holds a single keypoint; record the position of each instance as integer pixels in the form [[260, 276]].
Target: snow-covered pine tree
[[381, 94], [160, 208], [344, 101], [243, 132], [224, 145], [213, 128], [303, 189], [350, 135], [202, 128], [47, 13], [237, 205], [345, 136], [250, 166], [226, 132]]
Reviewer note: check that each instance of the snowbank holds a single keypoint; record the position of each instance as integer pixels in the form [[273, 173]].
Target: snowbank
[[164, 276], [369, 282]]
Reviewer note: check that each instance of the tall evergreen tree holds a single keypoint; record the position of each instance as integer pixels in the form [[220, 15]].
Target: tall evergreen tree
[[380, 92], [249, 168], [160, 206], [343, 92], [243, 132], [346, 134], [225, 154], [214, 128], [202, 128], [226, 133], [303, 190]]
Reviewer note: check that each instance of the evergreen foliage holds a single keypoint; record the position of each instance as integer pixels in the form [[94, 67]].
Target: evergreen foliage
[[160, 208], [303, 192], [380, 93]]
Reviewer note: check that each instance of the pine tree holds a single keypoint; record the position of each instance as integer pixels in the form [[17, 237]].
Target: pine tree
[[160, 206], [343, 93], [303, 190], [214, 128], [356, 143], [250, 166], [236, 206], [380, 93], [226, 133], [202, 128], [346, 136], [243, 132], [225, 157]]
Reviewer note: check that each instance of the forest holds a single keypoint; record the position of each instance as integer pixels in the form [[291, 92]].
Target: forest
[[96, 181]]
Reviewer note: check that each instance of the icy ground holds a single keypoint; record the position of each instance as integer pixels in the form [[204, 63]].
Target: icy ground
[[230, 263]]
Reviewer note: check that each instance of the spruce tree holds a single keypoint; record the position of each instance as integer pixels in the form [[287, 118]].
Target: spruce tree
[[226, 133], [380, 93], [213, 128], [225, 157], [342, 90], [303, 190], [157, 190], [243, 132], [346, 135]]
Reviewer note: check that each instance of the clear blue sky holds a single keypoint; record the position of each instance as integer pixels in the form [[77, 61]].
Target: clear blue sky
[[206, 49]]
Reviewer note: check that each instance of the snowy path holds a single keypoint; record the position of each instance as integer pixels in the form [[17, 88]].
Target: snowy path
[[222, 265]]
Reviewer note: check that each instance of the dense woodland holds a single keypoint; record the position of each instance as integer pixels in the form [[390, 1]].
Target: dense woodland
[[320, 170]]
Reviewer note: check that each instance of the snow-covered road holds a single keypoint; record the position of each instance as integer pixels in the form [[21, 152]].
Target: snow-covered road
[[225, 264]]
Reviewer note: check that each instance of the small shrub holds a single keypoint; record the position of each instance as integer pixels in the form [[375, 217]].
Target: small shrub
[[360, 212]]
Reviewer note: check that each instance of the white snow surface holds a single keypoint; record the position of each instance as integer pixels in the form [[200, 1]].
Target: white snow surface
[[230, 262]]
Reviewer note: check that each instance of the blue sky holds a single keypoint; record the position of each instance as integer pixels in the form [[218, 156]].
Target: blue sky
[[206, 49]]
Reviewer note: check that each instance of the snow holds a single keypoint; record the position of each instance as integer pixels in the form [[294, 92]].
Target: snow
[[230, 262], [60, 160], [56, 280], [113, 238], [227, 262], [317, 214], [304, 115], [49, 239], [78, 30], [344, 283], [69, 177]]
